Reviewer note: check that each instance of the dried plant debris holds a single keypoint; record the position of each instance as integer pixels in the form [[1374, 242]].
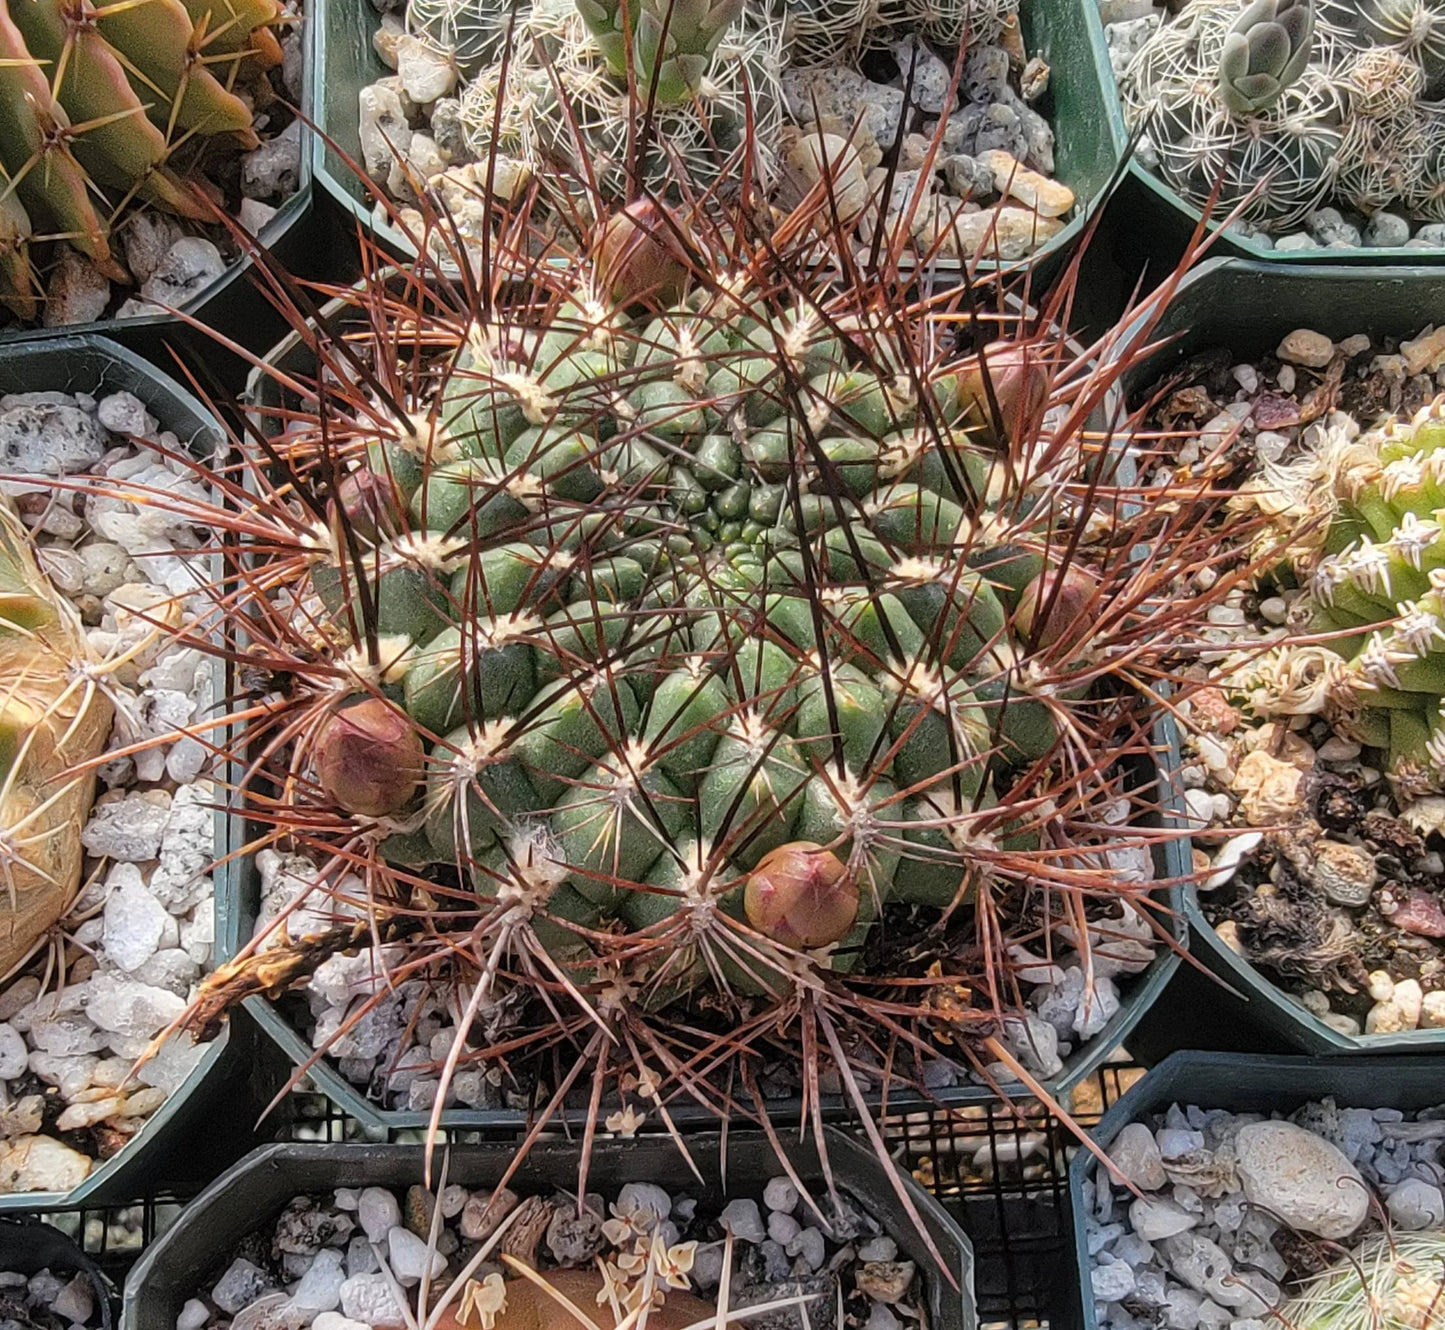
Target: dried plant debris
[[495, 1261], [1331, 877]]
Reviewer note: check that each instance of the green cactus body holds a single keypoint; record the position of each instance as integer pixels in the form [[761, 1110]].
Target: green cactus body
[[665, 632], [1382, 573]]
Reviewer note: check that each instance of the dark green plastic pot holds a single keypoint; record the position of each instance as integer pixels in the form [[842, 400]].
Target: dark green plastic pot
[[198, 1248], [186, 1141], [242, 883], [1173, 219], [1241, 1083], [29, 1245], [1250, 308], [1064, 33], [232, 305]]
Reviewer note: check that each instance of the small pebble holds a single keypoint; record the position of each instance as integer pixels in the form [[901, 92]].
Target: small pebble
[[780, 1194], [1308, 348]]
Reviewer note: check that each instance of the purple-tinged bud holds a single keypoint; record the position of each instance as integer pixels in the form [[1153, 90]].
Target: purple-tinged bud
[[1069, 611], [371, 504], [801, 896], [369, 758], [640, 259], [1021, 379]]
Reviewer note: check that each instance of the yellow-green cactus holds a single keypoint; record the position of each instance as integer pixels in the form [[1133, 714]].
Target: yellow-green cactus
[[95, 97], [1379, 585], [53, 719]]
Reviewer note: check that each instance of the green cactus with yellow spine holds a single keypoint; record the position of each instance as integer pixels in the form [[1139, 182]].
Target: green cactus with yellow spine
[[53, 720], [94, 100]]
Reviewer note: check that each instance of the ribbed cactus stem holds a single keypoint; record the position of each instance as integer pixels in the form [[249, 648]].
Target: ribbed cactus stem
[[53, 720]]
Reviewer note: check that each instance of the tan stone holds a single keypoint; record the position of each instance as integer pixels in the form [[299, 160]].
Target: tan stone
[[1426, 352], [1306, 347], [1011, 177], [817, 156], [1005, 233]]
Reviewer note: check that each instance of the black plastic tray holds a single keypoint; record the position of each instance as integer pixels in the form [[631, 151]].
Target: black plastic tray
[[201, 1244], [185, 1142]]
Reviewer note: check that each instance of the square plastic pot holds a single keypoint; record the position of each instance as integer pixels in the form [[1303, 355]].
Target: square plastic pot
[[1169, 219], [1241, 1083], [241, 881], [1065, 34], [1250, 308], [202, 1243], [231, 305], [210, 1119], [29, 1245]]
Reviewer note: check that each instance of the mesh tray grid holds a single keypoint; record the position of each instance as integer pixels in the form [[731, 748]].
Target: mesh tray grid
[[1001, 1171]]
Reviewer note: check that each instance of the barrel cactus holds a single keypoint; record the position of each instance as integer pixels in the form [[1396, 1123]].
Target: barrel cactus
[[691, 658], [1288, 104], [94, 102], [1414, 28], [54, 718], [1377, 584]]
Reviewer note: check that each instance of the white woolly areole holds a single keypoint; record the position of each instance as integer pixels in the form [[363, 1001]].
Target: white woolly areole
[[430, 551], [393, 657], [533, 396], [536, 867], [485, 745], [424, 437], [957, 820], [488, 634], [916, 570]]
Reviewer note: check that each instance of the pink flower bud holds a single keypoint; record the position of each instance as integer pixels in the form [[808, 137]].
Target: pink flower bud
[[370, 503], [639, 257], [1021, 380], [801, 896], [369, 758], [1069, 609]]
